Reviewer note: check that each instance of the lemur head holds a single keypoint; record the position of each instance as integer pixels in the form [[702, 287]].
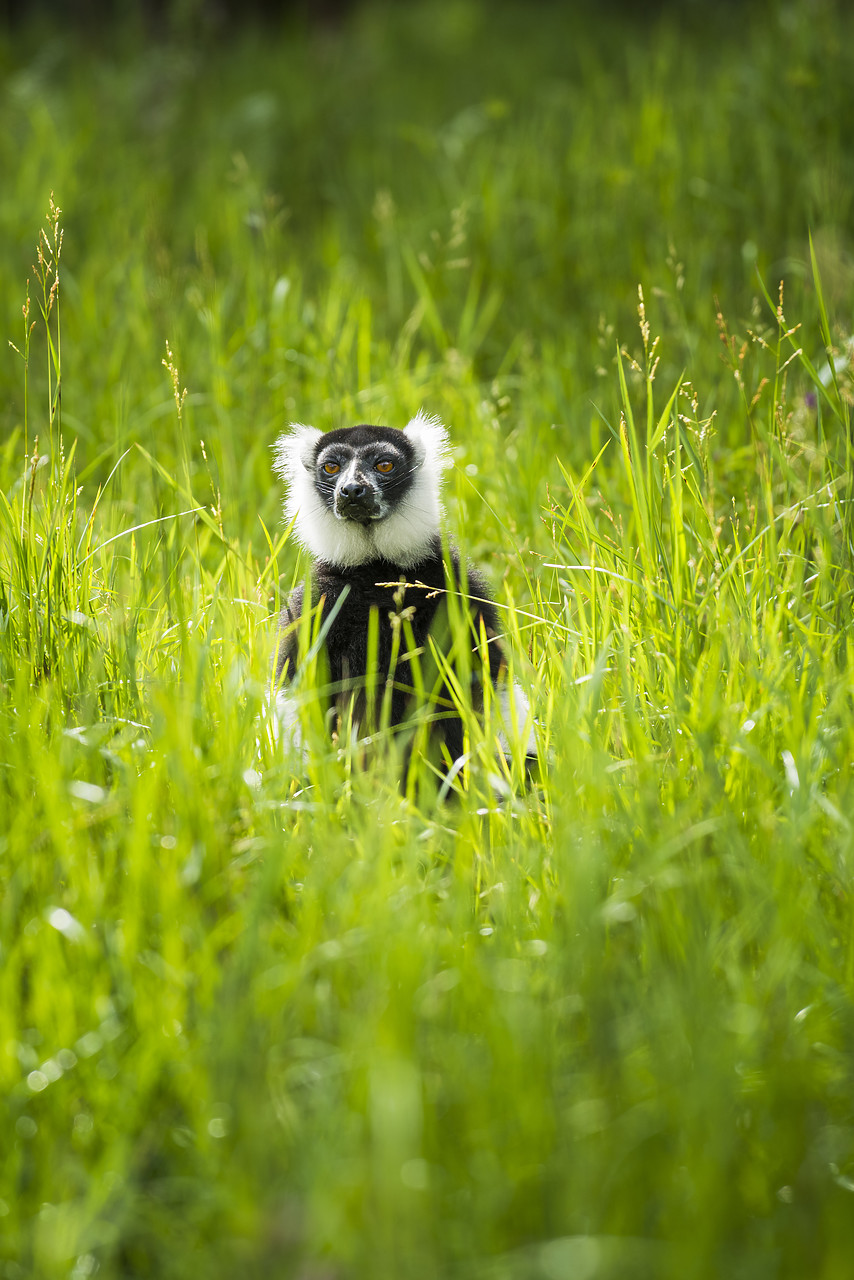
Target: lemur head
[[365, 493]]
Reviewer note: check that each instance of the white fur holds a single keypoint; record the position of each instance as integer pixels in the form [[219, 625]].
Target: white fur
[[285, 723], [402, 538], [515, 715]]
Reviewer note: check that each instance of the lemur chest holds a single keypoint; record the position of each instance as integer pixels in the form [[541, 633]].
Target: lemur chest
[[403, 610]]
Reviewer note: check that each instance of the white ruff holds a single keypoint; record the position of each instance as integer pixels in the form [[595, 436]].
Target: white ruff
[[402, 538]]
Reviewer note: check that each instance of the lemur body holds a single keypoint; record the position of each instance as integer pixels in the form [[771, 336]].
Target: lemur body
[[365, 502]]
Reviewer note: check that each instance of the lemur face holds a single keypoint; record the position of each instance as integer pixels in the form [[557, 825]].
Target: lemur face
[[362, 473], [359, 494]]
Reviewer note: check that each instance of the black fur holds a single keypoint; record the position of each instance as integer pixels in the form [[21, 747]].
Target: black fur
[[366, 446], [423, 598]]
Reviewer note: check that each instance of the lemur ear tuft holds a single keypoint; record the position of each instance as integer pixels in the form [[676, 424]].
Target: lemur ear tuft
[[429, 438], [295, 449]]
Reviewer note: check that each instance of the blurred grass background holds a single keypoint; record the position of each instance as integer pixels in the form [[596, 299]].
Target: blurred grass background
[[265, 1020]]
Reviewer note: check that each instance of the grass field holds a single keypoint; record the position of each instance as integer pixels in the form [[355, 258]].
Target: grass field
[[264, 1018]]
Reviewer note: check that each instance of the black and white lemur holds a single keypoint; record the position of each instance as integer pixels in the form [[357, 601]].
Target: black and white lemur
[[365, 501]]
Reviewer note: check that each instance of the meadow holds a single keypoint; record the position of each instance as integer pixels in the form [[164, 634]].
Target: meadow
[[264, 1016]]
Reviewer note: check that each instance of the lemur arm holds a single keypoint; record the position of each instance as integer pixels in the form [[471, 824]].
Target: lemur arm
[[482, 610], [287, 647]]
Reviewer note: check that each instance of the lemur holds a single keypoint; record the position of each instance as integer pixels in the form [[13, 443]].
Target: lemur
[[365, 502]]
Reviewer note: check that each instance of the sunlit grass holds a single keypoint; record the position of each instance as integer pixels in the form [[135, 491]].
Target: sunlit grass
[[273, 1013]]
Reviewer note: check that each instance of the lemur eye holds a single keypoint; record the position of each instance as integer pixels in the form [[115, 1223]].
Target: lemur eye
[[331, 468], [385, 466]]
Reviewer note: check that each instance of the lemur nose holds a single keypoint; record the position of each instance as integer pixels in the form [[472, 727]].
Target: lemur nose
[[353, 489]]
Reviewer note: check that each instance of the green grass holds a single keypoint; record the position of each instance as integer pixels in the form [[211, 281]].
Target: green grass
[[266, 1019]]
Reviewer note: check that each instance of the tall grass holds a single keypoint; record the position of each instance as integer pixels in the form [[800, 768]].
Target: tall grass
[[270, 1016]]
